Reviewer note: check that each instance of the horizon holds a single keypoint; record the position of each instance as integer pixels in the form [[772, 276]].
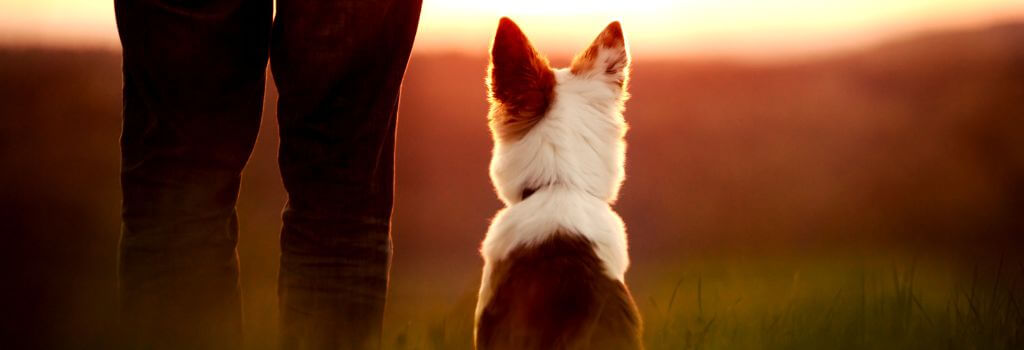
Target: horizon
[[783, 30]]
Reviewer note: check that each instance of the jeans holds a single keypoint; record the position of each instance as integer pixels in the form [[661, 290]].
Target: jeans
[[194, 76]]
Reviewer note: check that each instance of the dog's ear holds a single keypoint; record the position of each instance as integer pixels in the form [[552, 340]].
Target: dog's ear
[[607, 56], [519, 79]]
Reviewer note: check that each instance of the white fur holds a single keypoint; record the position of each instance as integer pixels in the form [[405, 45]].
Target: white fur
[[574, 156], [578, 143]]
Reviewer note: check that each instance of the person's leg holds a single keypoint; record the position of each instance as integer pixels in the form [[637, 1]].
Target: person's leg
[[194, 74], [338, 66]]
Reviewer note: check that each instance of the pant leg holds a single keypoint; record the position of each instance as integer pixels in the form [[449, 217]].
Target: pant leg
[[194, 74], [339, 67]]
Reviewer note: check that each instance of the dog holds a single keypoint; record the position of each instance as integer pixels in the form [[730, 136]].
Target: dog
[[555, 257]]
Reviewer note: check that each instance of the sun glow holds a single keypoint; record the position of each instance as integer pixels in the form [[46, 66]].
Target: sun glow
[[702, 27], [747, 28]]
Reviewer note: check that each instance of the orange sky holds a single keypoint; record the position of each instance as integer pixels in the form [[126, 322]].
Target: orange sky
[[744, 28]]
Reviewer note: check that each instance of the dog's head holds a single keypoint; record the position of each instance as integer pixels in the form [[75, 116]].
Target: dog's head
[[557, 127]]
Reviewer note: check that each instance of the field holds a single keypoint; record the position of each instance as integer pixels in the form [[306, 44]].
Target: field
[[866, 199], [806, 303]]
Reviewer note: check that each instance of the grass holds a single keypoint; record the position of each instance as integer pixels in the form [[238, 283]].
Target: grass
[[804, 305]]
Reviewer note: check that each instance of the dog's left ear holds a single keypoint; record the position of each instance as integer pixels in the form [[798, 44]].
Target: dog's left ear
[[607, 56]]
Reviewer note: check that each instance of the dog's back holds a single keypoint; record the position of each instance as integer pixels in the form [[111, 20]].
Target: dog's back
[[556, 295]]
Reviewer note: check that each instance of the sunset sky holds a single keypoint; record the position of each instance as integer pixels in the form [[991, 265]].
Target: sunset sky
[[745, 28]]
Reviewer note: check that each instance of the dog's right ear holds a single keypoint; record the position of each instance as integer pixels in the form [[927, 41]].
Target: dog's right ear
[[519, 79], [607, 57]]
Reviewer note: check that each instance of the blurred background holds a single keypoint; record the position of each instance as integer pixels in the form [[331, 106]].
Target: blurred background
[[835, 174]]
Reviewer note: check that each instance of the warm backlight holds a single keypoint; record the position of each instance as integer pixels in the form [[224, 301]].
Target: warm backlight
[[559, 27]]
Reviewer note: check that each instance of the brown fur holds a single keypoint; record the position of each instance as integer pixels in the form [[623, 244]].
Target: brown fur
[[555, 295], [521, 83]]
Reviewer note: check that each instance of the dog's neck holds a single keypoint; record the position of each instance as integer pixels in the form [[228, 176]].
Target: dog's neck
[[530, 191], [527, 192]]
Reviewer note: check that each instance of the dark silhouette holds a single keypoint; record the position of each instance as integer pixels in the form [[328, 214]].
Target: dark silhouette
[[194, 76]]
